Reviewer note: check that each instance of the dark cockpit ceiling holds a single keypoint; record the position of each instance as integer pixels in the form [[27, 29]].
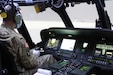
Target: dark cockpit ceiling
[[90, 13]]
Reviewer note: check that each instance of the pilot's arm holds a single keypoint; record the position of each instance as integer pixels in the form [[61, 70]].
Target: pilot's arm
[[26, 58], [19, 48]]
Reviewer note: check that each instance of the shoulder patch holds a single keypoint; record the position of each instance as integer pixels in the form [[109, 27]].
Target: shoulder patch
[[4, 34]]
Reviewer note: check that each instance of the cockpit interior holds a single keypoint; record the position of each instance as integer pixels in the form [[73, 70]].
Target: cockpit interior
[[79, 51]]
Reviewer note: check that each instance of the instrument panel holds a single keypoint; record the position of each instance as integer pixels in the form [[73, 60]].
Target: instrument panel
[[81, 51]]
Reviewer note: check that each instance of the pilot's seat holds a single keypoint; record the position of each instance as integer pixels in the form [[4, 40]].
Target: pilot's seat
[[7, 64]]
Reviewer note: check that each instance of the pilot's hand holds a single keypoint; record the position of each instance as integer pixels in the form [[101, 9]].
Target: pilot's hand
[[26, 45]]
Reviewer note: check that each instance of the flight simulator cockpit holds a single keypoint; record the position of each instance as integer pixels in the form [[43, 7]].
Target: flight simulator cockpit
[[79, 51]]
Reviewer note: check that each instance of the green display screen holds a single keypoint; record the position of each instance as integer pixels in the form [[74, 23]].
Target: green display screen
[[104, 50], [63, 63], [104, 46], [84, 68]]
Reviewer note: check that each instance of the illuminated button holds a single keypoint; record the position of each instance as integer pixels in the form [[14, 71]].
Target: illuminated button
[[93, 74]]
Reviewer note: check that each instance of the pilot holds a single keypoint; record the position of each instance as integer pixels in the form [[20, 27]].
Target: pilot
[[26, 61]]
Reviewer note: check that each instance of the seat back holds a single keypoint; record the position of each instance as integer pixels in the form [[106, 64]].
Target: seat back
[[8, 65]]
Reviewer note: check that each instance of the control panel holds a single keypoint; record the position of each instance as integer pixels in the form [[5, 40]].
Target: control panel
[[81, 51], [71, 67]]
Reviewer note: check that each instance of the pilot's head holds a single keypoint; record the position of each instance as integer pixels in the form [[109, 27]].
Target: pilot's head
[[11, 13]]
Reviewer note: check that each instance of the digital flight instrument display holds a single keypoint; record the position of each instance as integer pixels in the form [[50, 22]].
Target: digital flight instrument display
[[68, 44], [104, 50], [52, 43]]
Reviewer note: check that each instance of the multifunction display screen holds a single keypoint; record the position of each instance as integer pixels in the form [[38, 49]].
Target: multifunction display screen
[[68, 44], [52, 43], [104, 50]]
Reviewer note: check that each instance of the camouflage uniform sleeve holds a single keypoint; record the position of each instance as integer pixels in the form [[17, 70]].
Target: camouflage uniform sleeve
[[4, 35], [24, 56], [16, 45]]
